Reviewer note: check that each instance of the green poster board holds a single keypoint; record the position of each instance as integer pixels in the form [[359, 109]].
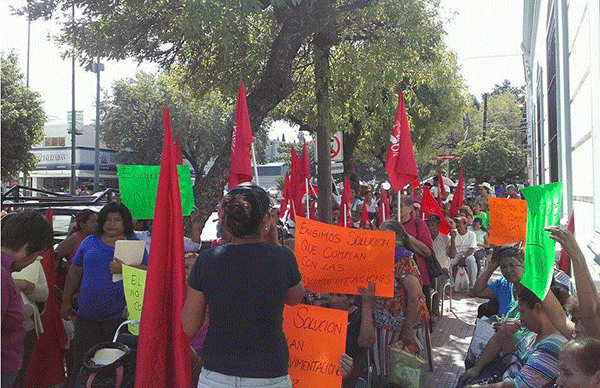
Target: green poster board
[[544, 204], [138, 186], [134, 283]]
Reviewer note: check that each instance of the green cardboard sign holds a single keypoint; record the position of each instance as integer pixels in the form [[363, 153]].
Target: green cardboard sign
[[138, 186], [134, 283], [544, 204]]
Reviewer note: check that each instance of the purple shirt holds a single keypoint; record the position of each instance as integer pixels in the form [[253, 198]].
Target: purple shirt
[[13, 332]]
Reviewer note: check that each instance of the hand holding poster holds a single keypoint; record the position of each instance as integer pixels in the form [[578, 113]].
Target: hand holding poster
[[134, 283], [543, 209], [316, 339], [508, 220], [138, 186], [334, 259]]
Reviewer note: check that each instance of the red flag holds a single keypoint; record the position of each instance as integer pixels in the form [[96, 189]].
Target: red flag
[[46, 367], [415, 183], [163, 355], [441, 189], [345, 206], [364, 215], [313, 210], [400, 162], [459, 194], [430, 206], [297, 184], [240, 166], [285, 194], [565, 261], [178, 154], [383, 208]]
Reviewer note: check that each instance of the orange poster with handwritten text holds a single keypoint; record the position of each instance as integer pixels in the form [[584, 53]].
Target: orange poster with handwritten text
[[508, 220], [334, 259], [316, 338]]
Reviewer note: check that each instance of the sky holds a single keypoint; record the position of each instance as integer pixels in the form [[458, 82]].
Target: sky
[[485, 36]]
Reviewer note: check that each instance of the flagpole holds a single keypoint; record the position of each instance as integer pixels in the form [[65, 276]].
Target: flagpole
[[399, 197], [254, 161], [345, 216], [307, 199]]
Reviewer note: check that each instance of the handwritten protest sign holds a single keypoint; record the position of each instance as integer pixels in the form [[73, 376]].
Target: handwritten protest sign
[[316, 339], [138, 186], [508, 220], [544, 204], [134, 282], [334, 259]]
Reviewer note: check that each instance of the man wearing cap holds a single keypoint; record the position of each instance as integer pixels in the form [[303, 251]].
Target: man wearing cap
[[466, 244], [444, 247], [482, 199]]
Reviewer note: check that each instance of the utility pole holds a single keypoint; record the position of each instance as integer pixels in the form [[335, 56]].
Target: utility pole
[[485, 115], [73, 134], [97, 68]]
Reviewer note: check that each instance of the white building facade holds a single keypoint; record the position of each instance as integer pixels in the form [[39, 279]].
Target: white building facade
[[561, 47]]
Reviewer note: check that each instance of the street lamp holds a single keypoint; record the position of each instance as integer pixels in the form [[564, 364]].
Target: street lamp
[[97, 68]]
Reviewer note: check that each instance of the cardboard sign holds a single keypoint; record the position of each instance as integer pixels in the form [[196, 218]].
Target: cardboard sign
[[508, 220], [316, 338], [334, 259], [130, 252], [138, 186], [134, 283], [544, 208]]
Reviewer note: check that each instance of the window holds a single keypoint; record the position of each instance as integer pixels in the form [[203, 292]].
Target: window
[[552, 100], [54, 142]]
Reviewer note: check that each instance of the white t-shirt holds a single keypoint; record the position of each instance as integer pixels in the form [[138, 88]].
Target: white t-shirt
[[440, 247], [465, 242]]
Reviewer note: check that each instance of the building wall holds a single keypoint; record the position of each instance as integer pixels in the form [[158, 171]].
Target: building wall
[[571, 94]]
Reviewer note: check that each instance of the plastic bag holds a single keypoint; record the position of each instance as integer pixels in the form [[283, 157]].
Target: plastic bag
[[407, 369], [461, 281]]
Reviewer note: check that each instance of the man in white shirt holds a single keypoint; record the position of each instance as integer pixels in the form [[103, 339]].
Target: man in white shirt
[[466, 244], [444, 247]]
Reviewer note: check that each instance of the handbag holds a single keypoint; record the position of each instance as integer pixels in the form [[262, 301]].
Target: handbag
[[107, 365], [407, 369], [434, 269]]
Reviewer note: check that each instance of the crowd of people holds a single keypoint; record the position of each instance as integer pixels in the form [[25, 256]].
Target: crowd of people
[[237, 289]]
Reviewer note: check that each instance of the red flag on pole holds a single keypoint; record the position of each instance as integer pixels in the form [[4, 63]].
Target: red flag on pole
[[400, 162], [46, 367], [297, 187], [285, 194], [459, 194], [565, 261], [178, 154], [430, 206], [441, 189], [345, 206], [163, 355], [240, 166], [383, 207], [364, 215]]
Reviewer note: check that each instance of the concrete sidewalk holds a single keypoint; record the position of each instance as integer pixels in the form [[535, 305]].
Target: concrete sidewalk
[[450, 340]]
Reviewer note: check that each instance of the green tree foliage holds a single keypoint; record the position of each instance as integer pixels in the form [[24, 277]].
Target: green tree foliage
[[497, 158], [23, 120]]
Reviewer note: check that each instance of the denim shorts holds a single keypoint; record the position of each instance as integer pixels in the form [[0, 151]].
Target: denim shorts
[[210, 379]]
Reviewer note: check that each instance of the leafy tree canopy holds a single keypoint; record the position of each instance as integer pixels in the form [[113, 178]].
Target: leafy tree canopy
[[23, 120]]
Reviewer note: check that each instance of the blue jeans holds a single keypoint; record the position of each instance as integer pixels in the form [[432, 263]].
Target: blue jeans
[[210, 379]]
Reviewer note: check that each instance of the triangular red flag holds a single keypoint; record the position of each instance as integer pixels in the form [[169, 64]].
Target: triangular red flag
[[285, 194], [178, 154], [383, 207], [364, 215], [430, 206], [240, 166], [46, 367], [459, 195], [400, 162], [564, 263], [441, 189], [345, 206], [163, 353]]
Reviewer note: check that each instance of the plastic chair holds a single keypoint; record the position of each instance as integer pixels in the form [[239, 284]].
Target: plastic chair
[[447, 286]]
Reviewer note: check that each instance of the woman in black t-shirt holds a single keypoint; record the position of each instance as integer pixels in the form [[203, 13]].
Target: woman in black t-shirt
[[246, 284]]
